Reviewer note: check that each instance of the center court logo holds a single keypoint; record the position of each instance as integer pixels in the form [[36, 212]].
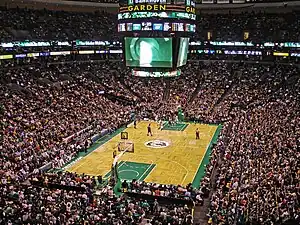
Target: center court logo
[[157, 144]]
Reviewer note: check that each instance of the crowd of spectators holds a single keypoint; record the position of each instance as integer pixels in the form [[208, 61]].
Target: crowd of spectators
[[169, 191], [44, 105], [259, 106], [48, 111], [38, 205], [258, 179], [260, 26], [41, 113], [66, 179], [28, 24]]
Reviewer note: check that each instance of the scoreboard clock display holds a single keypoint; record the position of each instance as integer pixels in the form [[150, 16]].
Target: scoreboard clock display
[[146, 26], [155, 26]]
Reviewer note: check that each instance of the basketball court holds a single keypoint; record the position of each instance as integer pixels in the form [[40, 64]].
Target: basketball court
[[171, 156]]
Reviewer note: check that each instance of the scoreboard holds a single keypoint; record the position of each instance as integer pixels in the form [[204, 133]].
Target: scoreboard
[[157, 15], [156, 35]]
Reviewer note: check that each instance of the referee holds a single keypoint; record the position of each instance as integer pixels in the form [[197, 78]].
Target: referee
[[149, 132], [197, 134]]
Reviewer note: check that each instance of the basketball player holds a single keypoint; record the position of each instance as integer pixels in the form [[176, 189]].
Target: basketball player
[[160, 125], [197, 134], [134, 124], [149, 130], [114, 154]]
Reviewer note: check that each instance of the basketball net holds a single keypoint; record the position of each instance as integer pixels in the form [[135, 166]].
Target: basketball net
[[114, 169]]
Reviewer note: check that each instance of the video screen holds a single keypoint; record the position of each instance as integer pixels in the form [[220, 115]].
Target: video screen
[[183, 51], [148, 52], [174, 73], [170, 15]]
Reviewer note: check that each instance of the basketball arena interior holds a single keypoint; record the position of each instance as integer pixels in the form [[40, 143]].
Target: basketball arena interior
[[149, 112]]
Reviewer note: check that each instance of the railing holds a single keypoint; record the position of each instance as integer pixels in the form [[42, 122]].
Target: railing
[[162, 199]]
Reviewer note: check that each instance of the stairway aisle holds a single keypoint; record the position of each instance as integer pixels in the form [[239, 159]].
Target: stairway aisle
[[166, 94]]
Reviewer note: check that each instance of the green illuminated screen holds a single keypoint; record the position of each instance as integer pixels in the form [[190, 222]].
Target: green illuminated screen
[[148, 52], [183, 50]]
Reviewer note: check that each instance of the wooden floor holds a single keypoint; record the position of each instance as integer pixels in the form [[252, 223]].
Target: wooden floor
[[177, 163]]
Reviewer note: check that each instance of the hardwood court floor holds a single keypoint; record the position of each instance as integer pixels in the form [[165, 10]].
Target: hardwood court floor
[[176, 163]]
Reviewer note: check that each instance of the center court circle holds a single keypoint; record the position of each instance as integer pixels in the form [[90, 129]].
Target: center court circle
[[157, 144]]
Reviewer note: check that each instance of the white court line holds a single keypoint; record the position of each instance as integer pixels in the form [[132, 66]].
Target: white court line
[[101, 148], [187, 171], [130, 125], [150, 172], [124, 162], [183, 127], [138, 174], [80, 164], [119, 165], [146, 171], [104, 148], [184, 166], [204, 154]]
